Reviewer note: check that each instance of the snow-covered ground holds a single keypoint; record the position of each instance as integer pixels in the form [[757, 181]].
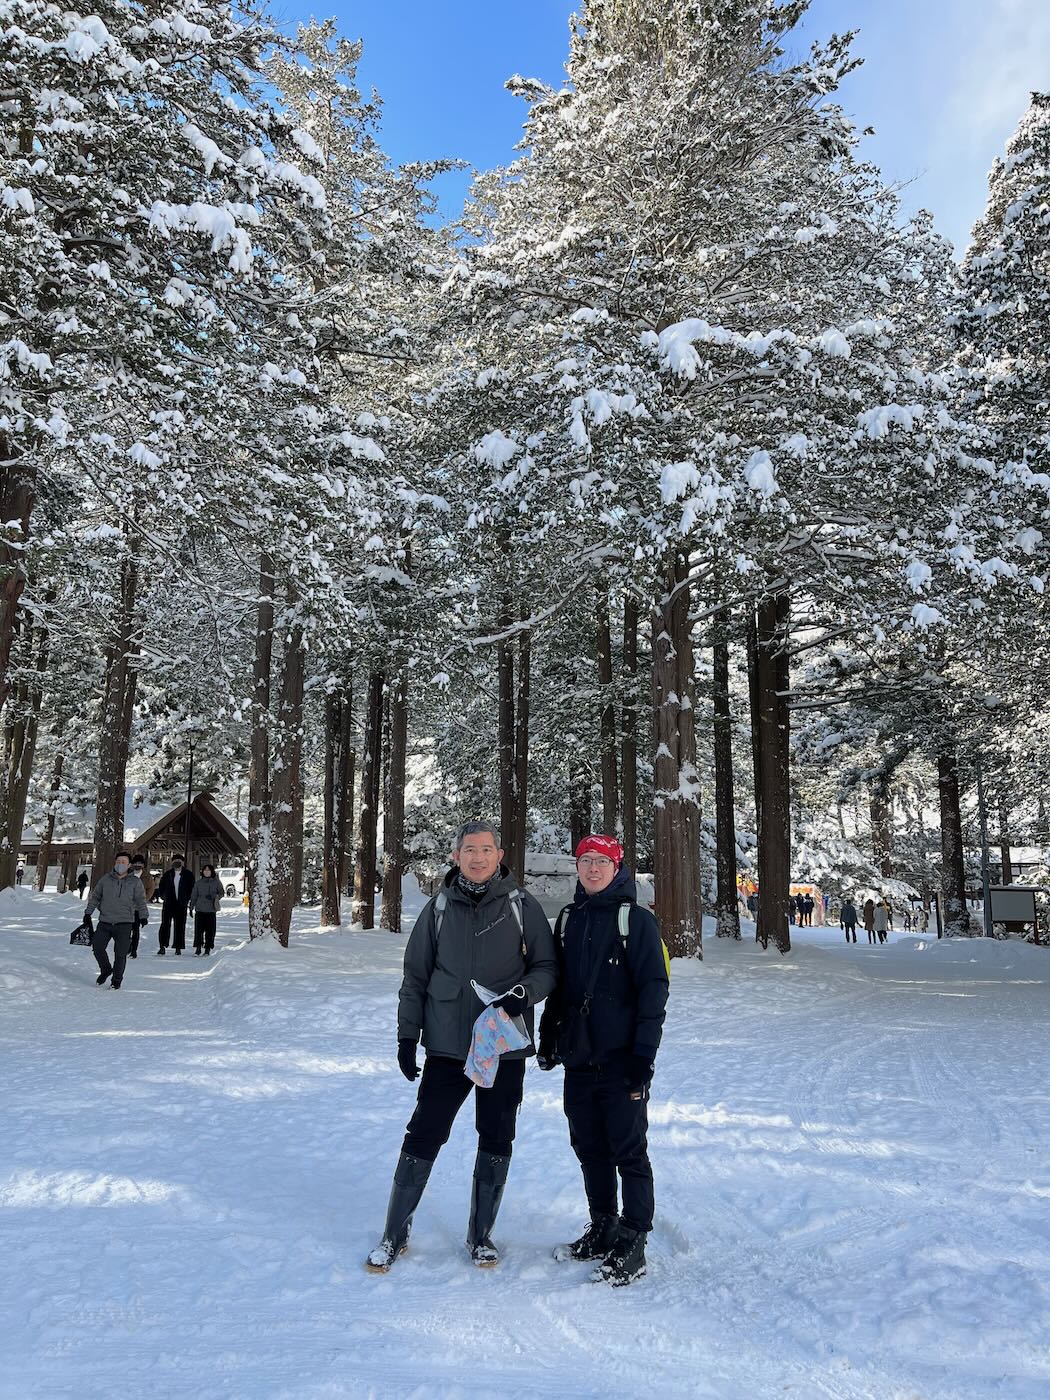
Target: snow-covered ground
[[850, 1147]]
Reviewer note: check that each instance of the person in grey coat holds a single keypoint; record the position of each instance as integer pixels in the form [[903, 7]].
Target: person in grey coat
[[205, 902], [118, 897], [479, 927]]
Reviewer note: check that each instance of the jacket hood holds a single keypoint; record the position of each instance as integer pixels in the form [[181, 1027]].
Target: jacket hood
[[622, 888], [501, 883]]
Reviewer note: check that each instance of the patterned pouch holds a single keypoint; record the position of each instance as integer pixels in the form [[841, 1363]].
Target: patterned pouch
[[494, 1034]]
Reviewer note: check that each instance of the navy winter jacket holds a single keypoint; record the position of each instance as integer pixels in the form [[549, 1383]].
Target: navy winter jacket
[[630, 996]]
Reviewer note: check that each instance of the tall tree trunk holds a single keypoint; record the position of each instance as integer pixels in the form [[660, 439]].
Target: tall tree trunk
[[22, 723], [44, 858], [607, 719], [17, 497], [260, 842], [751, 642], [331, 857], [727, 905], [394, 807], [774, 828], [579, 801], [629, 731], [953, 873], [118, 704], [286, 779], [676, 864], [881, 825], [508, 816], [521, 755], [367, 823], [1005, 853]]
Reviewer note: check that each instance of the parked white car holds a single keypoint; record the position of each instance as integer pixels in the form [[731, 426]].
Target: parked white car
[[232, 877]]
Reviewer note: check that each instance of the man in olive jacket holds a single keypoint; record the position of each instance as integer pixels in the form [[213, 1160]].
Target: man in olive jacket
[[480, 928]]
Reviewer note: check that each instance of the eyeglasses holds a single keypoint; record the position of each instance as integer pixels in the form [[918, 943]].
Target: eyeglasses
[[595, 862]]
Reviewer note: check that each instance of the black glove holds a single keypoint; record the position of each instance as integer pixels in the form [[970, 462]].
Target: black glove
[[406, 1059], [144, 921], [639, 1072], [546, 1058], [512, 1002]]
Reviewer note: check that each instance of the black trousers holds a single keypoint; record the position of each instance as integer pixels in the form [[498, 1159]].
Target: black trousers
[[851, 932], [443, 1090], [607, 1129], [204, 930], [121, 938], [136, 929], [173, 917]]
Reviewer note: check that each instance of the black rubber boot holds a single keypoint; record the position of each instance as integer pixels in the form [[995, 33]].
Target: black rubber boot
[[410, 1178], [490, 1177], [595, 1242], [625, 1261]]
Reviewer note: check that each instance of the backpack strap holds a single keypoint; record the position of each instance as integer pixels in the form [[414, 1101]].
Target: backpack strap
[[559, 925], [623, 922], [440, 904]]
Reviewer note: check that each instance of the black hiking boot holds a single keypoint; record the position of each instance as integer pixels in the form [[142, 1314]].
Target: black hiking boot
[[625, 1261], [103, 977], [490, 1177], [410, 1178], [161, 952], [595, 1242]]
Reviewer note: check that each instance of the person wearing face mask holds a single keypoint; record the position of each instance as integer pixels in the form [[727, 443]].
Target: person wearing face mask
[[119, 899], [479, 930], [175, 889], [604, 1024]]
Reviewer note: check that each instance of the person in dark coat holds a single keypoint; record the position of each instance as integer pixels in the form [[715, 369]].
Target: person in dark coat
[[623, 982], [848, 919], [808, 906], [138, 869], [119, 899], [174, 890], [205, 903], [479, 929], [83, 880]]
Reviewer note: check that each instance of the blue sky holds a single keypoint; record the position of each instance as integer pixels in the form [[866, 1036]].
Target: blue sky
[[944, 82]]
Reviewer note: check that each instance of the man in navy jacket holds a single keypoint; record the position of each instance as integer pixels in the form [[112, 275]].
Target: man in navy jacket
[[613, 970]]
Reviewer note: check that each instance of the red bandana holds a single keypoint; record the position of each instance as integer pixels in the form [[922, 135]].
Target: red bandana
[[601, 846]]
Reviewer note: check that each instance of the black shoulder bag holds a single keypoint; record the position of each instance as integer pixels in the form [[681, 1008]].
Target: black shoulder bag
[[574, 1046]]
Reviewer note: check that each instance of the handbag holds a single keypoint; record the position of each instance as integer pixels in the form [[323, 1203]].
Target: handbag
[[574, 1045], [81, 934]]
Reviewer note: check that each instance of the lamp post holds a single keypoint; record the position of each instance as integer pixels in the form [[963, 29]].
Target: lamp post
[[982, 812]]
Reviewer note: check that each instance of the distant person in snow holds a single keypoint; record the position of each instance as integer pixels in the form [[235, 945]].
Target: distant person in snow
[[205, 903], [20, 873], [807, 911], [480, 928], [848, 918], [83, 880], [175, 889], [138, 867], [118, 897], [881, 920], [869, 920], [603, 1022], [752, 904]]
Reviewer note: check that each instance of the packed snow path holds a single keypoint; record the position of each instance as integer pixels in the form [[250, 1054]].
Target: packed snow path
[[849, 1144]]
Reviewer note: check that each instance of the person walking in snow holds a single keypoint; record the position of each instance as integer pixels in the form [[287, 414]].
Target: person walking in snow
[[480, 929], [848, 918], [614, 984], [869, 919], [881, 920], [205, 903], [175, 889], [118, 897], [83, 880], [807, 911], [20, 872], [138, 869]]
